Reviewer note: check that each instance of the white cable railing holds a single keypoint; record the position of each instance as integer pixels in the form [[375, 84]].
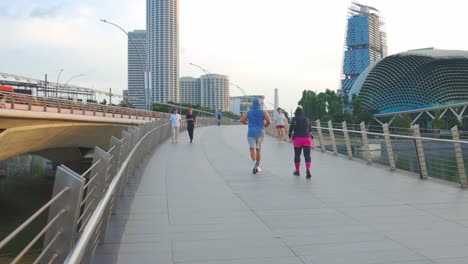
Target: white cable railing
[[428, 154]]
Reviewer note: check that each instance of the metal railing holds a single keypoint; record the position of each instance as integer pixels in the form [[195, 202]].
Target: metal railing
[[428, 155], [18, 101], [81, 203]]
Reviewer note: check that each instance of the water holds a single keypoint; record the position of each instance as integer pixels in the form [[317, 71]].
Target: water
[[26, 184]]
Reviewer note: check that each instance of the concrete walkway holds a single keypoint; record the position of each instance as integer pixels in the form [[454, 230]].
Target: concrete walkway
[[199, 203]]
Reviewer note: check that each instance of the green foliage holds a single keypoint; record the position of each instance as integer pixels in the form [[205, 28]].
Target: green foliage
[[330, 106], [403, 121], [437, 123]]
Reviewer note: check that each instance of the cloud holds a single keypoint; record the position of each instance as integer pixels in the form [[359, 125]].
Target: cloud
[[47, 12]]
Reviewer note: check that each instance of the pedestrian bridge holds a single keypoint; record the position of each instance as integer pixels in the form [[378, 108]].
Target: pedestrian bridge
[[200, 203], [61, 130]]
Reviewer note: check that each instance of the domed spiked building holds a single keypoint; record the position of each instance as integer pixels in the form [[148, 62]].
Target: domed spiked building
[[413, 80]]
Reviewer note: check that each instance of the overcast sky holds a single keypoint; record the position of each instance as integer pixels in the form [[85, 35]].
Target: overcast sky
[[261, 44]]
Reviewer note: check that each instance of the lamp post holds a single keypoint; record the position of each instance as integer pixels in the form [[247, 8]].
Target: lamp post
[[207, 73], [56, 88], [145, 73], [238, 87], [71, 78]]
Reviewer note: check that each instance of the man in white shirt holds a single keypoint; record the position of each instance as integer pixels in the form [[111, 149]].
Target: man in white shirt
[[175, 124]]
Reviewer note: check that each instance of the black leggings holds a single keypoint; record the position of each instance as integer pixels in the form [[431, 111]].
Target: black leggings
[[297, 154], [190, 128]]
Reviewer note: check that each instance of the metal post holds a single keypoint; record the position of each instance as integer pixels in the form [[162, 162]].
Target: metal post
[[365, 141], [12, 106], [332, 137], [59, 108], [459, 157], [45, 104], [349, 150], [388, 142], [420, 153], [83, 107], [67, 224], [319, 131], [29, 103]]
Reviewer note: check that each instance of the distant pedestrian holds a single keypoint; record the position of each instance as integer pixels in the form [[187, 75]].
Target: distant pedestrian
[[2, 101], [175, 124], [191, 119], [280, 122], [219, 115], [300, 132], [257, 120]]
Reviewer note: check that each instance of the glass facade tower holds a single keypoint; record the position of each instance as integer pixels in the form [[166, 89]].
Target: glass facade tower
[[136, 81], [366, 43], [162, 25]]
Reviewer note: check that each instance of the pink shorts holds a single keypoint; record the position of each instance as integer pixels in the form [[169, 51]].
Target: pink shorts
[[302, 142]]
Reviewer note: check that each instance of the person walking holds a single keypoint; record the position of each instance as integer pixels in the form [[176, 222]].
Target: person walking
[[175, 124], [191, 119], [300, 132], [2, 101], [219, 116], [257, 120], [280, 122]]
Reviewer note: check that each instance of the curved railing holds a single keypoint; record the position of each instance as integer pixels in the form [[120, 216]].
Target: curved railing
[[81, 203], [435, 155], [18, 101]]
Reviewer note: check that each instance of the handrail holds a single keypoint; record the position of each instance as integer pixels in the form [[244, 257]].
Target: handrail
[[20, 228], [395, 135], [76, 108], [79, 250], [83, 211]]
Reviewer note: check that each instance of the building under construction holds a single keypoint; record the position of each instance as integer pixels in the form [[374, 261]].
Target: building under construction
[[365, 42]]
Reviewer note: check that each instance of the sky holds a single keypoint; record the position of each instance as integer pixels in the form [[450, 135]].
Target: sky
[[292, 45]]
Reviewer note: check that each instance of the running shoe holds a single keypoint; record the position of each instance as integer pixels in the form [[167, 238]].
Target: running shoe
[[308, 174], [296, 173], [255, 168]]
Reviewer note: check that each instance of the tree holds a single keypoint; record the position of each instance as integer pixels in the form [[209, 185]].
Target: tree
[[403, 121]]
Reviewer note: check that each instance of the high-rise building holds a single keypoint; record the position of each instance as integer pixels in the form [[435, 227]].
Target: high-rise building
[[136, 57], [162, 25], [215, 91], [366, 42], [190, 91], [242, 104]]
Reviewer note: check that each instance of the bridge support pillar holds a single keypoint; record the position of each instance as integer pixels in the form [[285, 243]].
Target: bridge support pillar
[[365, 142], [349, 150], [420, 152], [388, 143], [459, 157], [332, 137], [319, 131]]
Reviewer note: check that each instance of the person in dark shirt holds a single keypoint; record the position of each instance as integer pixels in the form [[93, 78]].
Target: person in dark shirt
[[300, 132], [191, 119]]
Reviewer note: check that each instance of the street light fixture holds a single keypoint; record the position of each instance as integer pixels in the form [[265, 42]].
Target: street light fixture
[[56, 88], [145, 73], [208, 74], [73, 77]]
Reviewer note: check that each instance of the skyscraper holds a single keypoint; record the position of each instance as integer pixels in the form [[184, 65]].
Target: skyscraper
[[190, 90], [215, 91], [366, 42], [136, 81], [162, 25]]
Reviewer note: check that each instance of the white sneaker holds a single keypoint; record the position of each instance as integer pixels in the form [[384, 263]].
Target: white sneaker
[[259, 169]]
